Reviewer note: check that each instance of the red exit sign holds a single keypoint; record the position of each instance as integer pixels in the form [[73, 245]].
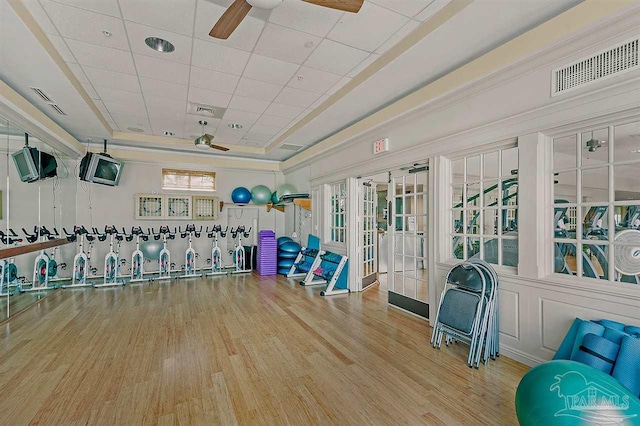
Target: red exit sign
[[381, 146]]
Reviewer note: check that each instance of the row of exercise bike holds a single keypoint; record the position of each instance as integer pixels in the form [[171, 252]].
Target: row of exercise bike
[[46, 266]]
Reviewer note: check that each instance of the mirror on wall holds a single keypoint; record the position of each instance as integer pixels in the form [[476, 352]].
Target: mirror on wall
[[38, 201]]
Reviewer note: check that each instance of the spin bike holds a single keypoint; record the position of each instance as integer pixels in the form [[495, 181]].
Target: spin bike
[[111, 259], [238, 251], [81, 260], [8, 271], [216, 253], [164, 259], [137, 257], [190, 256], [45, 269]]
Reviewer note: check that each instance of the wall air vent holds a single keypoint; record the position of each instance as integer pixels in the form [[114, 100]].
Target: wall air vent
[[622, 57], [42, 95], [290, 147], [58, 109]]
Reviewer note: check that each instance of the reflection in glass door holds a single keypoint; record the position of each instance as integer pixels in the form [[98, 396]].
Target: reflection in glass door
[[368, 233], [407, 277]]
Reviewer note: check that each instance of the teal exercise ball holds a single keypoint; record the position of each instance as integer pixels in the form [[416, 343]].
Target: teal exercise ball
[[274, 197], [241, 195], [260, 194], [285, 189], [151, 249]]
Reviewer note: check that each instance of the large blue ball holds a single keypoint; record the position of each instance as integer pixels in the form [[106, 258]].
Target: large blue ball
[[241, 195]]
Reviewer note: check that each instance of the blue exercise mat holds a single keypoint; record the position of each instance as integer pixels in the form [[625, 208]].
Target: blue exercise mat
[[611, 324], [597, 352], [585, 328], [564, 351], [614, 335], [627, 368]]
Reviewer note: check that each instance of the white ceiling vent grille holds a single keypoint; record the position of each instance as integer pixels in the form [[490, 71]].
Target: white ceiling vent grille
[[42, 95], [58, 109], [607, 63], [290, 147]]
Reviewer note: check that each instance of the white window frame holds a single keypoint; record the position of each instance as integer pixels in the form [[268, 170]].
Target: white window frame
[[336, 234], [189, 174]]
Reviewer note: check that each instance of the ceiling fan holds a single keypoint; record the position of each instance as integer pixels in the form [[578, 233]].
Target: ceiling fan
[[204, 141], [235, 13]]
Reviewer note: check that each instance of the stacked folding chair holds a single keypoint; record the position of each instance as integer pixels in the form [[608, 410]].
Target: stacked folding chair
[[468, 311]]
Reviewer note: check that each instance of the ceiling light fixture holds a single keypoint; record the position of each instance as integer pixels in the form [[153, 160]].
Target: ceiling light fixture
[[106, 33], [636, 151], [159, 44], [169, 134], [235, 126], [135, 129]]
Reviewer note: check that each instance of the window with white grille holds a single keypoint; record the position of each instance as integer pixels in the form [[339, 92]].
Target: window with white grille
[[336, 229]]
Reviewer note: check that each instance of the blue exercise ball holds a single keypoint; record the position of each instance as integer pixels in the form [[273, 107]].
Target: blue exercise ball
[[241, 195], [151, 249], [287, 255], [260, 194], [282, 240], [285, 263], [290, 246], [274, 198], [285, 189]]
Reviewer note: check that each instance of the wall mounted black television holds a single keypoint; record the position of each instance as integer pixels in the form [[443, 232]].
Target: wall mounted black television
[[100, 168], [33, 165]]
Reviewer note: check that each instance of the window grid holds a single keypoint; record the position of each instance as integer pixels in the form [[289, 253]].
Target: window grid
[[188, 180], [586, 227], [337, 216], [484, 214]]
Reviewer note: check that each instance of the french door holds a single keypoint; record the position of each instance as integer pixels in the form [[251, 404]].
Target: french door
[[368, 205], [408, 225]]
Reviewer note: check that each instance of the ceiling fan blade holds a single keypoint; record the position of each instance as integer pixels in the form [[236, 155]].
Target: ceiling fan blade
[[230, 19], [221, 148], [345, 5]]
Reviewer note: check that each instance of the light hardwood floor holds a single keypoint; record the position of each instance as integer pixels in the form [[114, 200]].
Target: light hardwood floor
[[239, 350]]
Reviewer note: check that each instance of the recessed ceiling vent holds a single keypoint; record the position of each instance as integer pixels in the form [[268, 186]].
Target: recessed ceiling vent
[[622, 57], [58, 109], [209, 111], [42, 94], [290, 147]]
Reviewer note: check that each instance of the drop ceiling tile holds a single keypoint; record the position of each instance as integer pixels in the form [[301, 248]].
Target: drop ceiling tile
[[192, 129], [62, 48], [77, 71], [408, 8], [265, 130], [158, 69], [87, 26], [138, 33], [364, 64], [219, 58], [402, 33], [319, 102], [269, 69], [106, 7], [257, 89], [285, 111], [432, 9], [163, 88], [174, 126], [338, 86], [224, 135], [335, 57], [112, 79], [305, 17], [102, 56], [286, 44], [356, 29], [213, 80], [166, 104], [242, 117], [242, 103], [35, 8], [128, 123], [209, 97], [90, 91], [313, 80], [101, 107], [245, 35], [164, 114], [256, 137], [115, 108], [273, 121], [295, 97], [170, 15], [225, 128], [109, 94]]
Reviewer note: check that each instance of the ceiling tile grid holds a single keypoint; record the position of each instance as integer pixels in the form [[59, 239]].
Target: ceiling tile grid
[[272, 71]]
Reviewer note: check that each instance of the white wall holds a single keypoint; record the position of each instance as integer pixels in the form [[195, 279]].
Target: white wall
[[536, 307]]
